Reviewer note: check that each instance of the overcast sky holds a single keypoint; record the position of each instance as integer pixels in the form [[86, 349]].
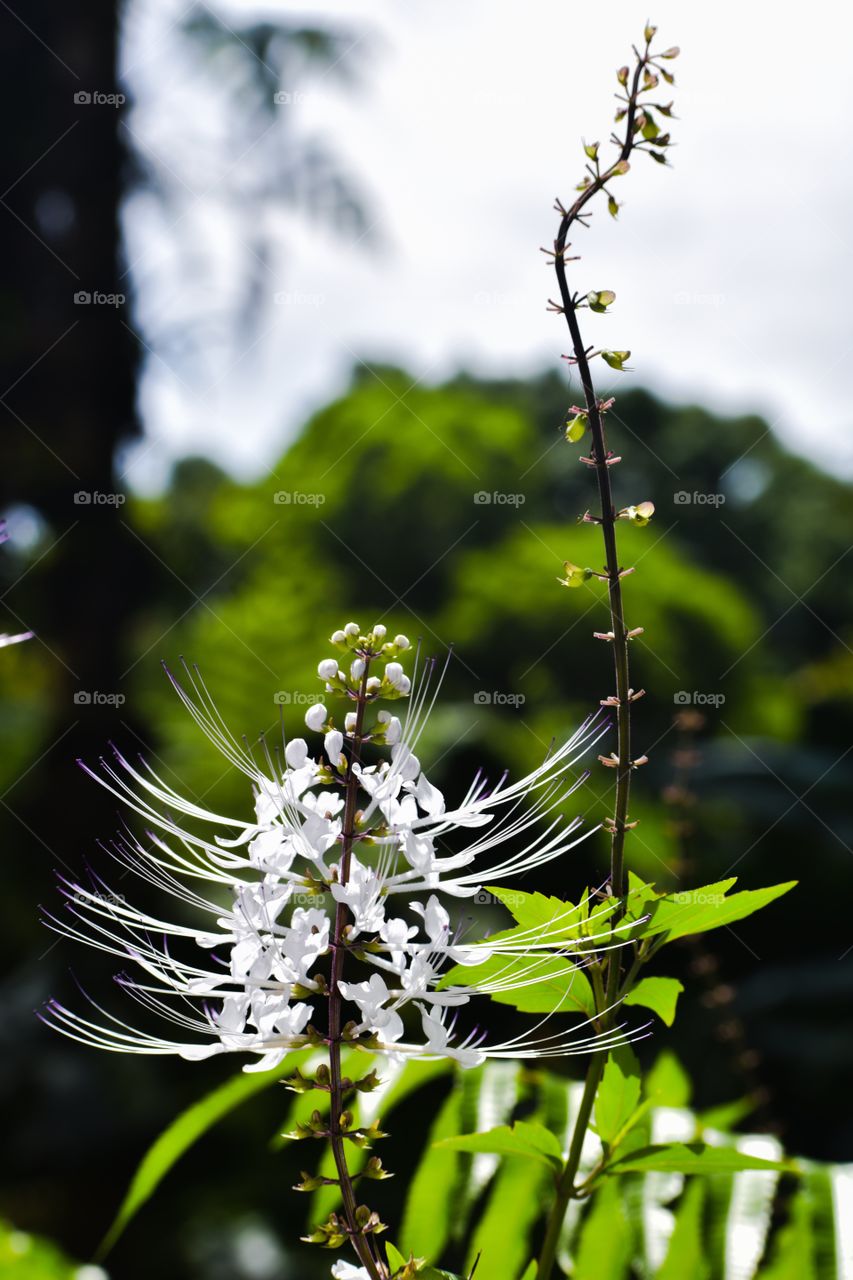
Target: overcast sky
[[731, 269]]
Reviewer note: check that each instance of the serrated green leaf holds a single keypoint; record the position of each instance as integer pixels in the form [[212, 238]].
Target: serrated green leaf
[[530, 1141], [618, 1094], [658, 994], [697, 910], [544, 984], [534, 909], [183, 1132], [693, 1157], [668, 1084]]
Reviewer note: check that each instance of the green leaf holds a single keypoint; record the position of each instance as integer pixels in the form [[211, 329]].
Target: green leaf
[[668, 1084], [698, 910], [532, 909], [428, 1214], [658, 994], [530, 1271], [183, 1132], [793, 1255], [27, 1257], [693, 1157], [604, 1249], [618, 1094], [726, 1116], [531, 1141], [559, 985], [518, 1195], [686, 1253], [395, 1257]]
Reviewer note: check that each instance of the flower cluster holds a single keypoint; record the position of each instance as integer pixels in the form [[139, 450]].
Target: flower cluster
[[352, 855]]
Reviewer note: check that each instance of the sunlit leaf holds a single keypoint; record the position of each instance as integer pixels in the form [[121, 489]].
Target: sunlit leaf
[[668, 1084], [658, 994], [530, 1141], [693, 1157], [618, 1094], [697, 910]]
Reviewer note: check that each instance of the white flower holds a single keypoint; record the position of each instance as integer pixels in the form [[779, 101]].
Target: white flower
[[328, 669], [397, 678], [363, 895], [351, 629], [238, 978], [357, 669], [402, 642], [380, 631], [296, 753], [346, 1271], [391, 726], [316, 716]]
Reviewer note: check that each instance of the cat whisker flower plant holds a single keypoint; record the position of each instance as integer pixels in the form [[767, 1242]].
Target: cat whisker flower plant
[[325, 918]]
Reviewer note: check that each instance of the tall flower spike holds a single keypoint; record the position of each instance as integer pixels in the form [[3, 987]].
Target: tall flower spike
[[315, 916], [254, 982]]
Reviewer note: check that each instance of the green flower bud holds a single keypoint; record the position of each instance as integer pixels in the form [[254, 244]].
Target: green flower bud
[[615, 359], [575, 575], [575, 427], [640, 515], [601, 300]]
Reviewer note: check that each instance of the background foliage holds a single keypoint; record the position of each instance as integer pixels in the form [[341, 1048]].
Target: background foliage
[[735, 600]]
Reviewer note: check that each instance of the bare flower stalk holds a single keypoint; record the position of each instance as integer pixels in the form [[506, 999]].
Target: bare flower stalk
[[640, 133]]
